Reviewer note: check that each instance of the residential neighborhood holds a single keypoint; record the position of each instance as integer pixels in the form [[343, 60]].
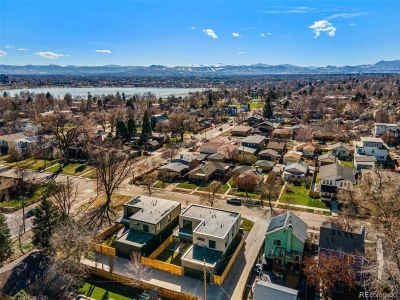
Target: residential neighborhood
[[199, 150]]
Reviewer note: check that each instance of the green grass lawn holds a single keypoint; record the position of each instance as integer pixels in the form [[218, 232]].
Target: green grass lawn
[[31, 163], [75, 169], [256, 105], [346, 163], [34, 196], [299, 195], [107, 290], [187, 185], [241, 193], [247, 224], [161, 185], [110, 240], [3, 157]]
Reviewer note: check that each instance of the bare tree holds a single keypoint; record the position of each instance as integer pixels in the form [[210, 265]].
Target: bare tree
[[323, 273], [170, 152], [111, 168], [136, 269], [304, 134], [64, 195], [100, 118], [210, 197], [148, 181], [270, 190], [18, 228], [180, 123], [248, 181], [70, 242], [66, 132]]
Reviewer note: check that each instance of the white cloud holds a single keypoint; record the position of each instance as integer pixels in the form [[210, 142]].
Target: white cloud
[[265, 34], [104, 51], [323, 26], [353, 25], [290, 10], [3, 53], [210, 33], [235, 34], [193, 27], [345, 15], [22, 49], [241, 52], [8, 46], [50, 55]]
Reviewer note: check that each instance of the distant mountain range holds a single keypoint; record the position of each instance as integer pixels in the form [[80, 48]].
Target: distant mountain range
[[202, 70]]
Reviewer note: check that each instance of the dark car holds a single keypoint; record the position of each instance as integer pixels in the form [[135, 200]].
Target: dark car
[[29, 213], [221, 129], [234, 201]]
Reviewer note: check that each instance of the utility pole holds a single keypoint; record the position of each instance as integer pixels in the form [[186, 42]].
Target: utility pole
[[23, 212], [205, 280]]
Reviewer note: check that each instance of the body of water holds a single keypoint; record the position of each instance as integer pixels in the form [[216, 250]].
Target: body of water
[[83, 92]]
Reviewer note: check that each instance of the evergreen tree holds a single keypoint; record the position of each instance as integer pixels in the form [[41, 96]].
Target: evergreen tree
[[210, 99], [121, 129], [267, 110], [131, 127], [146, 125], [5, 240], [46, 219]]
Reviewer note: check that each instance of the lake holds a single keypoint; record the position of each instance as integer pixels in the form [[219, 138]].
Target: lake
[[82, 92]]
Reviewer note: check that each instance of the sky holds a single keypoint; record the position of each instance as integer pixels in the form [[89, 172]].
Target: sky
[[195, 32]]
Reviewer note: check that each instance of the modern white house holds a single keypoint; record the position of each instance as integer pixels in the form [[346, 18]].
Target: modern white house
[[213, 232], [372, 146], [382, 128], [148, 222]]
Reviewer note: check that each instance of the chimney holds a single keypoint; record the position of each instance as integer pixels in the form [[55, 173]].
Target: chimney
[[289, 238], [363, 230]]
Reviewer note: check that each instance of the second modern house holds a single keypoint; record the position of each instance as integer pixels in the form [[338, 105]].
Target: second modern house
[[214, 234], [372, 146]]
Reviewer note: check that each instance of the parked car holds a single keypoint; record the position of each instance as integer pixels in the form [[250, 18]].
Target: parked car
[[234, 201], [29, 213], [221, 129]]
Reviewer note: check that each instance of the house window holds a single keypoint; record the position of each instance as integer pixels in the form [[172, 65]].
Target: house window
[[277, 242], [270, 252], [145, 228], [211, 244], [200, 239]]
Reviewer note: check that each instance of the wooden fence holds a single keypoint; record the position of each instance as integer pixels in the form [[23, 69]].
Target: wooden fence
[[161, 248], [163, 292], [107, 250], [219, 280], [161, 265]]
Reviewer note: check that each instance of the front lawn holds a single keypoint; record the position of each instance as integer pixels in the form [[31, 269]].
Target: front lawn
[[160, 184], [101, 290], [247, 225], [32, 197], [75, 169], [256, 105], [299, 195], [187, 185], [109, 241], [347, 163], [40, 164]]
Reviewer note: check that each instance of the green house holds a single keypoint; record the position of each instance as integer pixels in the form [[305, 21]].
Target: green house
[[284, 242]]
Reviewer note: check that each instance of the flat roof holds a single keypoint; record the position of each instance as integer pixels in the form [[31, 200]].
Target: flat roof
[[215, 222], [151, 209], [135, 238]]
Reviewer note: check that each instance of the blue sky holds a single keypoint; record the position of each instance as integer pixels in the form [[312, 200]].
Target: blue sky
[[186, 32]]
